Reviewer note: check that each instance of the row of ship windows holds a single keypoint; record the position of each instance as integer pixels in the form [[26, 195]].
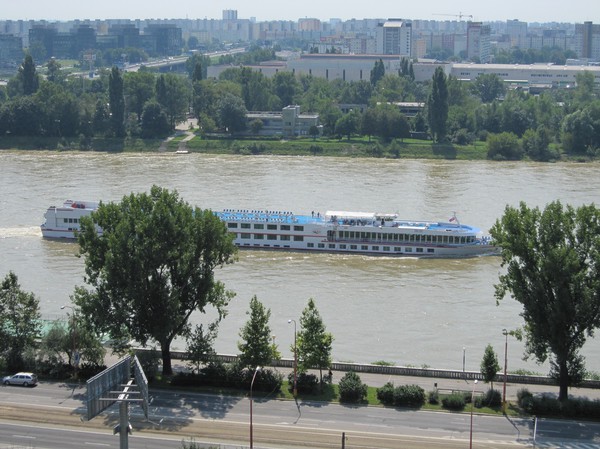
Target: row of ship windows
[[343, 246], [378, 236], [271, 227], [70, 220], [296, 238]]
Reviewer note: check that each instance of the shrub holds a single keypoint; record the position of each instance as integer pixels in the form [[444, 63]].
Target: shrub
[[306, 383], [409, 395], [455, 401], [492, 398], [404, 395], [433, 397], [351, 388], [385, 394]]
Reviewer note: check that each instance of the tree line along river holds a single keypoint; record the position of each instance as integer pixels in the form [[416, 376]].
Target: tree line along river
[[401, 310]]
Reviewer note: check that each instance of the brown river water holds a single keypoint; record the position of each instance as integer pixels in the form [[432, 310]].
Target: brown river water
[[419, 312]]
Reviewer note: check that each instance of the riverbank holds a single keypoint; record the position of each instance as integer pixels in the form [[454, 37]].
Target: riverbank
[[187, 140]]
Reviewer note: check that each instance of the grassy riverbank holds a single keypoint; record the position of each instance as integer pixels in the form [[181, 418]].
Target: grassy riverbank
[[359, 147]]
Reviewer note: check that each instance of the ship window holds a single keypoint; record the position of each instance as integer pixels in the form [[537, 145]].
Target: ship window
[[342, 246], [386, 248], [462, 240], [321, 245], [364, 247], [430, 250], [259, 226], [298, 238], [408, 249], [298, 228], [271, 227], [245, 236], [245, 225], [375, 248], [70, 220], [259, 236], [232, 225], [352, 246], [398, 249], [419, 250], [445, 239], [284, 237], [271, 237], [310, 245], [65, 220], [351, 234], [331, 246], [285, 227]]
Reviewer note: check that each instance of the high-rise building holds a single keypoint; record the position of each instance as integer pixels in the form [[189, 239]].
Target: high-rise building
[[230, 14], [394, 37], [478, 42], [517, 31], [587, 40]]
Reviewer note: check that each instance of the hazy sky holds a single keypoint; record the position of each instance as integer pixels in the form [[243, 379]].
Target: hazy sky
[[575, 11]]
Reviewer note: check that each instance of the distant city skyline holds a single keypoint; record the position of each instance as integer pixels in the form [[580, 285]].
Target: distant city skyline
[[575, 11]]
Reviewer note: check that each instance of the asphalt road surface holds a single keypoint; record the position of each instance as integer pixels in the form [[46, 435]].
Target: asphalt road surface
[[51, 416]]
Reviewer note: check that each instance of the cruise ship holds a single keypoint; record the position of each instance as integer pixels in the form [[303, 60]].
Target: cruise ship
[[369, 233]]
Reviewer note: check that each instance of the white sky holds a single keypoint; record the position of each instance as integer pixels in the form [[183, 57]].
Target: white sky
[[574, 11]]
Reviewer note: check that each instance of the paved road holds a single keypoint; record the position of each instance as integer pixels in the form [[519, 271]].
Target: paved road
[[281, 424]]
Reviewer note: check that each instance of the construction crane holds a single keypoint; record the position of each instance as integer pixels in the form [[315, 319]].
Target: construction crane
[[460, 15]]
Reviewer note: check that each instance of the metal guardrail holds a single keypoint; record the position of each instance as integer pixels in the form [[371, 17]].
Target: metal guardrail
[[404, 371]]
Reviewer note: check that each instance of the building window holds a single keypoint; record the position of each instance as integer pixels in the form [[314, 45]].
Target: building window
[[245, 236], [284, 237], [321, 245], [272, 227], [259, 226], [259, 236], [298, 238], [310, 245], [298, 228], [232, 225], [271, 237], [285, 227], [245, 225]]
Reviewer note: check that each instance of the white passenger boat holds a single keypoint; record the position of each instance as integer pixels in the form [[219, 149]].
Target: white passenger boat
[[62, 222], [335, 231], [355, 232]]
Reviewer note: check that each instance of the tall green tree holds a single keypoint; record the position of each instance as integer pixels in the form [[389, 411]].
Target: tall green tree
[[437, 106], [138, 89], [231, 113], [377, 72], [20, 323], [28, 76], [488, 87], [173, 93], [314, 343], [552, 260], [151, 268], [116, 102], [489, 365], [256, 347]]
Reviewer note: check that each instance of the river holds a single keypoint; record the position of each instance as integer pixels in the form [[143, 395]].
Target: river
[[400, 310]]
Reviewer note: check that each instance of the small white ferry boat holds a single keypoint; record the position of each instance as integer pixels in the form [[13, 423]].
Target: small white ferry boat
[[335, 231], [62, 222]]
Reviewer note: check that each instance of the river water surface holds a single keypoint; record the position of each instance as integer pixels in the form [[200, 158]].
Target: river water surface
[[401, 310]]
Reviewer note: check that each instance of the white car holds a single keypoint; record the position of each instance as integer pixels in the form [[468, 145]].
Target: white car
[[25, 379]]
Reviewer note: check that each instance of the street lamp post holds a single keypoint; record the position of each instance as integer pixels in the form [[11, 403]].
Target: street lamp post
[[471, 431], [295, 360], [256, 370], [505, 333]]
